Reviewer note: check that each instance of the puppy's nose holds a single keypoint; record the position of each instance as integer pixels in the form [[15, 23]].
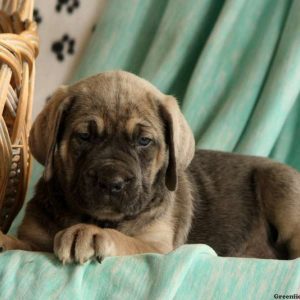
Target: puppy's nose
[[116, 185], [112, 183]]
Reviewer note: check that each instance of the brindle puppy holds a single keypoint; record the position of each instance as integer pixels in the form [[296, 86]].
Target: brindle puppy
[[122, 177]]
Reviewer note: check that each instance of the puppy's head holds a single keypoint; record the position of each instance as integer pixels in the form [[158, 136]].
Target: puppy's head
[[114, 142]]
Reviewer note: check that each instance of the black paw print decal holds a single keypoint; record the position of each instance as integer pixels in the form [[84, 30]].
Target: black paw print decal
[[36, 16], [70, 4], [63, 46]]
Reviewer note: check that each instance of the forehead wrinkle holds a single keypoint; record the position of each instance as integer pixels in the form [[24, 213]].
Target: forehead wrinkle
[[150, 125], [132, 123], [146, 113], [83, 125]]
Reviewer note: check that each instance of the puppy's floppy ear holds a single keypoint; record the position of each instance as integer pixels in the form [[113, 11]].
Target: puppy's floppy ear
[[179, 138], [44, 131]]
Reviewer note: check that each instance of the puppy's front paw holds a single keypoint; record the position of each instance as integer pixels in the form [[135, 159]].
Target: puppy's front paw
[[2, 242], [82, 242]]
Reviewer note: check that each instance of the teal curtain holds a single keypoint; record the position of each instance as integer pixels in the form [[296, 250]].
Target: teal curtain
[[233, 65]]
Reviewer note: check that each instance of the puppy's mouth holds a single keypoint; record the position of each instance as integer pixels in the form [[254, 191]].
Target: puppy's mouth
[[108, 206]]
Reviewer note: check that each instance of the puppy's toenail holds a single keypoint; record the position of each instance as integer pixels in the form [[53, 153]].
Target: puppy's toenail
[[100, 259]]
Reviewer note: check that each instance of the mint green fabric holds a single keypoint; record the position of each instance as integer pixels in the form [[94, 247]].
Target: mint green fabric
[[235, 68], [190, 272], [233, 65]]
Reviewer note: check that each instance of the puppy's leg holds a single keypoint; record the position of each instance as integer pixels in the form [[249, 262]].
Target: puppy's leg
[[279, 189], [31, 237], [11, 243]]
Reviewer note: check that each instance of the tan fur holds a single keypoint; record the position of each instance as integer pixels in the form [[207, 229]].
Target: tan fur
[[131, 124], [8, 242]]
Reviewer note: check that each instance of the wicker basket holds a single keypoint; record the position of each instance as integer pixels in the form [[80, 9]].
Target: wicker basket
[[18, 50]]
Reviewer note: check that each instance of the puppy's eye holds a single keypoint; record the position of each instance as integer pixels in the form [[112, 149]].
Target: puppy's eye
[[84, 136], [144, 141]]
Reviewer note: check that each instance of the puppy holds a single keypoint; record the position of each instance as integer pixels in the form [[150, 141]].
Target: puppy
[[122, 177]]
